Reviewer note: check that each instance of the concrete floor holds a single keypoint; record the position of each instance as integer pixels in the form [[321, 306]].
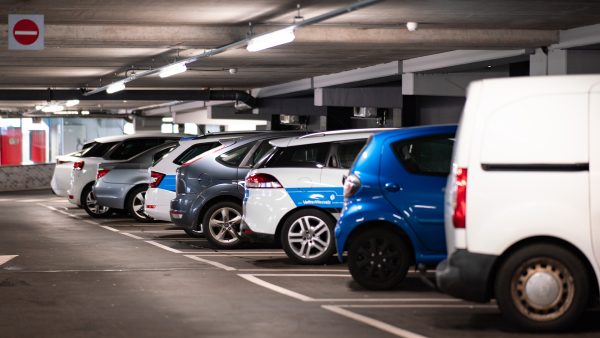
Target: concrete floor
[[75, 276]]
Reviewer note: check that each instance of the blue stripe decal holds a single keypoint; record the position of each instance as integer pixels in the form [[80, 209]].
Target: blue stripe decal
[[168, 183], [319, 197]]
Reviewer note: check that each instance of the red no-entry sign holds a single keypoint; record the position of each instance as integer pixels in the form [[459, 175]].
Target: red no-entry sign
[[26, 32]]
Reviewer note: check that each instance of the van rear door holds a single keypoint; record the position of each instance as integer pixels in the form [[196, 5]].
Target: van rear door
[[595, 170]]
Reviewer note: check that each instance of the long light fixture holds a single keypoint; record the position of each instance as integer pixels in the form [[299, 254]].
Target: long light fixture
[[173, 69], [53, 108], [71, 103], [269, 40], [289, 34], [115, 87]]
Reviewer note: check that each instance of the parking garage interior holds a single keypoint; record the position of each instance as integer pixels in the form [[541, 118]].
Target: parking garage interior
[[350, 65]]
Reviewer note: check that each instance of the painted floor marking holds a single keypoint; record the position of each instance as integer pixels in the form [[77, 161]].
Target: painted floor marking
[[298, 270], [5, 258], [158, 231], [164, 247], [276, 288], [109, 228], [241, 255], [131, 235], [213, 263], [372, 322], [91, 222]]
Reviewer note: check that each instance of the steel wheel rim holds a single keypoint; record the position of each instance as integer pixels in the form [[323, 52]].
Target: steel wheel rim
[[222, 225], [309, 237], [378, 258], [137, 204], [93, 206], [523, 298]]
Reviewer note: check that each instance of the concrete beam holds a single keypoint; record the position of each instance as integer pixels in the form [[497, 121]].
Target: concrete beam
[[457, 58], [284, 88], [450, 84], [380, 97], [384, 70], [577, 37]]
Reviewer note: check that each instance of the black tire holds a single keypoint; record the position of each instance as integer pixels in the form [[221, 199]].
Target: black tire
[[194, 231], [558, 302], [135, 204], [307, 236], [88, 201], [221, 223], [379, 258]]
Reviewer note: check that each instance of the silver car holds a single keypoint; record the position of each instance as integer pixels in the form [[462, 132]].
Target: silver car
[[123, 185]]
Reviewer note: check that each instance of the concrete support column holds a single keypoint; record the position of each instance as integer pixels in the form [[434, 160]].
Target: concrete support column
[[564, 61], [141, 123]]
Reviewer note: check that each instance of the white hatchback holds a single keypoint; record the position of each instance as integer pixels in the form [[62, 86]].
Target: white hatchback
[[163, 173], [294, 194]]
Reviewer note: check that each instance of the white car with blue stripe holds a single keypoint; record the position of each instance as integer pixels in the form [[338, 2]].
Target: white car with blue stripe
[[162, 174], [294, 194]]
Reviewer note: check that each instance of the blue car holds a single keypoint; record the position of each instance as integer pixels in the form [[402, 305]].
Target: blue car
[[393, 214]]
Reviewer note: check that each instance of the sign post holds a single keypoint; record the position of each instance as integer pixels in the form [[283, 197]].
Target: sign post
[[25, 32]]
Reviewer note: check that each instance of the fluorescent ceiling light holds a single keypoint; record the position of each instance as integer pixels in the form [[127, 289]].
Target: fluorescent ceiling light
[[173, 69], [271, 40], [167, 119], [53, 108], [66, 112], [85, 112], [39, 107], [115, 87], [71, 103]]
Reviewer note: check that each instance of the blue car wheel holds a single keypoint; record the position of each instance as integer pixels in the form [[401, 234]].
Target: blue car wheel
[[378, 259]]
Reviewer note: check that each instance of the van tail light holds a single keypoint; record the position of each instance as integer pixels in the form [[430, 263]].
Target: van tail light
[[201, 156], [351, 185], [78, 165], [262, 181], [101, 173], [459, 216], [155, 179]]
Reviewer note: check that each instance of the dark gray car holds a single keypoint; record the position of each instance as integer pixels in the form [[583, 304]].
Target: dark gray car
[[210, 188], [123, 185]]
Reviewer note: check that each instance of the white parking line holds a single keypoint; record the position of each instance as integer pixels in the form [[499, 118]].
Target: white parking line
[[91, 222], [164, 247], [131, 235], [372, 322], [241, 255], [5, 258], [276, 288], [109, 228], [297, 270], [158, 231], [213, 263]]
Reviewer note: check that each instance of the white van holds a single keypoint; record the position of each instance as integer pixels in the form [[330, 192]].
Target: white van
[[523, 201]]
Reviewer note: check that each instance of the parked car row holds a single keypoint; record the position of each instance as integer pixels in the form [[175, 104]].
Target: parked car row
[[505, 206]]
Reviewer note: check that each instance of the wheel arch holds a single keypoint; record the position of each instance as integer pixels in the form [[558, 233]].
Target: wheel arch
[[217, 199], [356, 232], [593, 278], [81, 195], [128, 195]]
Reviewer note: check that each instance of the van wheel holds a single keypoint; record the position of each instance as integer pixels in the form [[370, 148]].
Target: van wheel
[[222, 223], [91, 206], [135, 204], [307, 237], [542, 287], [378, 259]]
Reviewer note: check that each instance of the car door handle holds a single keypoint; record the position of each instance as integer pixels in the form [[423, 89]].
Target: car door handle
[[393, 187]]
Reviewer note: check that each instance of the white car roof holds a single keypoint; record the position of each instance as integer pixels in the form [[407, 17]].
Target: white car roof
[[328, 136]]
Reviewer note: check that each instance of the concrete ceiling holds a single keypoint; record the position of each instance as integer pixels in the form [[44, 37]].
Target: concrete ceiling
[[95, 42]]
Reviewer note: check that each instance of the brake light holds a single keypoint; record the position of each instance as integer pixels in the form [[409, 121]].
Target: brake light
[[460, 208], [155, 179], [351, 185], [201, 156], [78, 165], [101, 173], [262, 181]]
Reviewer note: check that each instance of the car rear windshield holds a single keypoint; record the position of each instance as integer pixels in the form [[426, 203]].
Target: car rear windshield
[[98, 149], [194, 151], [426, 156], [302, 156], [132, 147]]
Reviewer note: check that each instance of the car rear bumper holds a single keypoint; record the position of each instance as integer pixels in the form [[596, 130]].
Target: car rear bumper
[[264, 209], [111, 195], [466, 275], [247, 235], [158, 204], [181, 211]]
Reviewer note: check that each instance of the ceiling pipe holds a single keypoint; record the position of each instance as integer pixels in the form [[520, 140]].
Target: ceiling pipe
[[132, 95], [340, 11]]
